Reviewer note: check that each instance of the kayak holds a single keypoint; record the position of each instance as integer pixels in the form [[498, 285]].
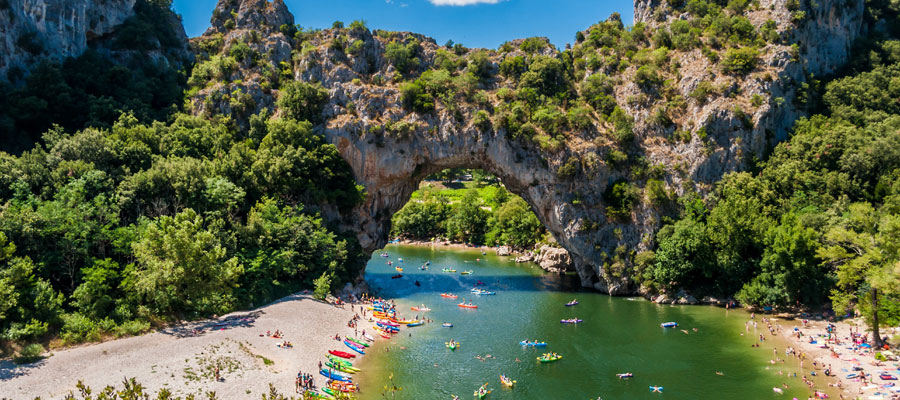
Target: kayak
[[353, 347], [334, 375], [367, 337], [668, 324], [656, 389], [357, 341], [448, 270], [625, 375], [417, 323], [449, 296], [422, 309], [482, 391], [506, 381], [345, 387], [533, 344], [571, 321], [572, 303], [388, 323], [549, 358], [398, 276], [339, 367], [341, 361], [447, 325], [311, 394], [341, 354], [400, 259], [465, 272], [388, 328], [484, 292], [399, 269], [888, 377], [452, 346], [463, 305]]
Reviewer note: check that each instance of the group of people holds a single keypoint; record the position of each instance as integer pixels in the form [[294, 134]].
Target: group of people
[[303, 382]]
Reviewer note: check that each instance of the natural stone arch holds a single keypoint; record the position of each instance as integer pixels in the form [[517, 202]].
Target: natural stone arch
[[391, 168]]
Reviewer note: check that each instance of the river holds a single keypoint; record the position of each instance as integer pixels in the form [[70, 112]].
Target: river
[[618, 335]]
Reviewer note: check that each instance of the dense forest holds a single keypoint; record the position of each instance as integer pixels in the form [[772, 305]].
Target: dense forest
[[121, 208]]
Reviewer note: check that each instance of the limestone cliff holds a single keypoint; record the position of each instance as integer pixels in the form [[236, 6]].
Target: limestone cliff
[[674, 138], [34, 30]]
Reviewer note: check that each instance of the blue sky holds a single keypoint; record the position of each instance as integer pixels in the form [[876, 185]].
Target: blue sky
[[476, 23]]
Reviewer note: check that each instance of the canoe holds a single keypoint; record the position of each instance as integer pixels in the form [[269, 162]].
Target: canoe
[[625, 375], [452, 346], [571, 321], [533, 344], [462, 305], [357, 341], [572, 303], [334, 375], [668, 324], [341, 354], [449, 296], [506, 381], [415, 323], [447, 325], [546, 359], [354, 347]]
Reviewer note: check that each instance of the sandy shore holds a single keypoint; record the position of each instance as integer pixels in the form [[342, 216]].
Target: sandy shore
[[184, 362], [842, 359]]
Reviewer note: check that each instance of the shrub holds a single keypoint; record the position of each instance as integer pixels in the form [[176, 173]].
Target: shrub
[[322, 286], [703, 90], [303, 101], [513, 66], [533, 45], [569, 168], [623, 125], [597, 91], [131, 328], [414, 98], [619, 198], [78, 328], [580, 118], [740, 61], [647, 77], [482, 120], [403, 56], [546, 75], [29, 354]]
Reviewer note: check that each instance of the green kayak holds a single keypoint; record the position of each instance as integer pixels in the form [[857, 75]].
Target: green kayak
[[361, 343], [340, 361]]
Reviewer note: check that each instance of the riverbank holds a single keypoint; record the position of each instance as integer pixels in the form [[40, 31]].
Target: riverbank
[[842, 358], [183, 359]]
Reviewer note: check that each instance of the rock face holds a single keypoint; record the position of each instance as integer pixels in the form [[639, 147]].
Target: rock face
[[55, 29], [391, 149], [554, 259], [34, 30]]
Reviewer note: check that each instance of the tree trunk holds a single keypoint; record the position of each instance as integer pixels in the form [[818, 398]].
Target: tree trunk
[[875, 332]]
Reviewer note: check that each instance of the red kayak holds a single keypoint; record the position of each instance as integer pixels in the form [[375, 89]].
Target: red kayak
[[341, 354]]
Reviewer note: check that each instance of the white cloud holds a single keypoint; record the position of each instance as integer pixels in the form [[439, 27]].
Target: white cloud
[[461, 2]]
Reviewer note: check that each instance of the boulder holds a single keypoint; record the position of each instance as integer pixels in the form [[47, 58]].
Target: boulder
[[504, 251]]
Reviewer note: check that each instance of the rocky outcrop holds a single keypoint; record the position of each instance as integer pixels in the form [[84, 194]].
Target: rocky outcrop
[[54, 29], [391, 149], [554, 259], [35, 30], [504, 251]]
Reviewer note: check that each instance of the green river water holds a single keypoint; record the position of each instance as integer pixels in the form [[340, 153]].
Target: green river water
[[618, 335]]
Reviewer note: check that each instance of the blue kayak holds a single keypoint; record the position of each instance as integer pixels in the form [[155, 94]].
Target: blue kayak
[[533, 344], [354, 347], [656, 389], [668, 324], [334, 375]]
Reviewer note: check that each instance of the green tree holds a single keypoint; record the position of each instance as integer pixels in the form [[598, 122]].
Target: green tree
[[864, 248], [303, 101], [183, 267], [468, 220], [515, 225]]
